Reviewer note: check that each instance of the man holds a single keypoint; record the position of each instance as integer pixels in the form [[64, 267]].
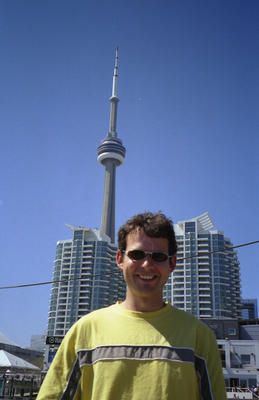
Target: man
[[140, 348]]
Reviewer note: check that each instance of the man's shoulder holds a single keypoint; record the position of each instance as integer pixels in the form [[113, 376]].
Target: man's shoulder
[[189, 319], [93, 320], [97, 314]]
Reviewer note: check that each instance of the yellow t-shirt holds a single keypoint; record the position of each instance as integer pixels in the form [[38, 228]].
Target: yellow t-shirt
[[117, 354]]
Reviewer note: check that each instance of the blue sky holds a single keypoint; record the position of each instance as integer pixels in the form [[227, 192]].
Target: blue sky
[[188, 117]]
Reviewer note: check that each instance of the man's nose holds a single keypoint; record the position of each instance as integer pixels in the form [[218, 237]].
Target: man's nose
[[147, 260]]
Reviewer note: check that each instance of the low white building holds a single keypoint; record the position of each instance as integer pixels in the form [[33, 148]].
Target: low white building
[[240, 360]]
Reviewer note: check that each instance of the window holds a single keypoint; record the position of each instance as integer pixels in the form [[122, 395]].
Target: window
[[245, 358], [78, 235], [189, 227]]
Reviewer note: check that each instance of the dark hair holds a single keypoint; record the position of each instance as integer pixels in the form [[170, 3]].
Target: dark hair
[[154, 225]]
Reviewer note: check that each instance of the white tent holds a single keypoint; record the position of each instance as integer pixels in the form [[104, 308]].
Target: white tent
[[8, 360]]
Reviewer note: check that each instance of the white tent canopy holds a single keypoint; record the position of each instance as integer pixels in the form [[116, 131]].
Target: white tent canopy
[[8, 360]]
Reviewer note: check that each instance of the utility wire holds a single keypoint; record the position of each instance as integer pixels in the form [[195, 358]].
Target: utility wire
[[116, 272]]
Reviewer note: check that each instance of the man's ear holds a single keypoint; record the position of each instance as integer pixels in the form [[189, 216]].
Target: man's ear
[[119, 259], [173, 263]]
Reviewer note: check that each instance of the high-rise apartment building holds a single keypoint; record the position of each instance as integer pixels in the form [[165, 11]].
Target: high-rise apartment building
[[206, 281], [85, 277]]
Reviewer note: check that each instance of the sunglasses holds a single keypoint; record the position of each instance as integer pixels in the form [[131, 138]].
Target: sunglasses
[[157, 256]]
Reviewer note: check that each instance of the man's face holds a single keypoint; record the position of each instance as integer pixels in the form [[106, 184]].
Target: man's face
[[145, 278]]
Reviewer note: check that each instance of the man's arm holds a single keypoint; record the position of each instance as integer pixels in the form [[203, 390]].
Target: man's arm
[[208, 349], [64, 373]]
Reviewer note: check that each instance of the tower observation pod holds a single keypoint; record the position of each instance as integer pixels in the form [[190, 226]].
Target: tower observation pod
[[111, 154]]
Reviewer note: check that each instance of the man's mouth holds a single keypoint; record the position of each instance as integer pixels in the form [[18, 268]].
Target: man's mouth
[[147, 277]]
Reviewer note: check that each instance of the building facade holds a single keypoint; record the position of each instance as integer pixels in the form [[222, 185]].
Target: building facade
[[249, 329], [85, 278], [240, 362], [206, 281], [249, 309], [38, 342]]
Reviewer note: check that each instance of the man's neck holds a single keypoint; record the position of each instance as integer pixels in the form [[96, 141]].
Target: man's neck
[[142, 304]]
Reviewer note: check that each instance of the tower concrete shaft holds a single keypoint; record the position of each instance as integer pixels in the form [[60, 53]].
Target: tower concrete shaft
[[111, 154]]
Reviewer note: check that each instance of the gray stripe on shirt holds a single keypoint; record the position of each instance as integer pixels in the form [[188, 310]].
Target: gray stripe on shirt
[[150, 352], [133, 352]]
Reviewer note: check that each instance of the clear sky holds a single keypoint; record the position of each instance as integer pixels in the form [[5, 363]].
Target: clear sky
[[188, 117]]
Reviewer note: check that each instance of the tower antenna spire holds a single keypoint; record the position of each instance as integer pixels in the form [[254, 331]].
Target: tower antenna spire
[[114, 99], [115, 74], [111, 154]]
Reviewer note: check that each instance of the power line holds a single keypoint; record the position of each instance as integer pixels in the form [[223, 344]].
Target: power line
[[116, 272], [58, 281]]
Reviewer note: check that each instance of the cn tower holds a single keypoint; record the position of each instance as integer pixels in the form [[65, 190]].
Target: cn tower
[[111, 154]]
